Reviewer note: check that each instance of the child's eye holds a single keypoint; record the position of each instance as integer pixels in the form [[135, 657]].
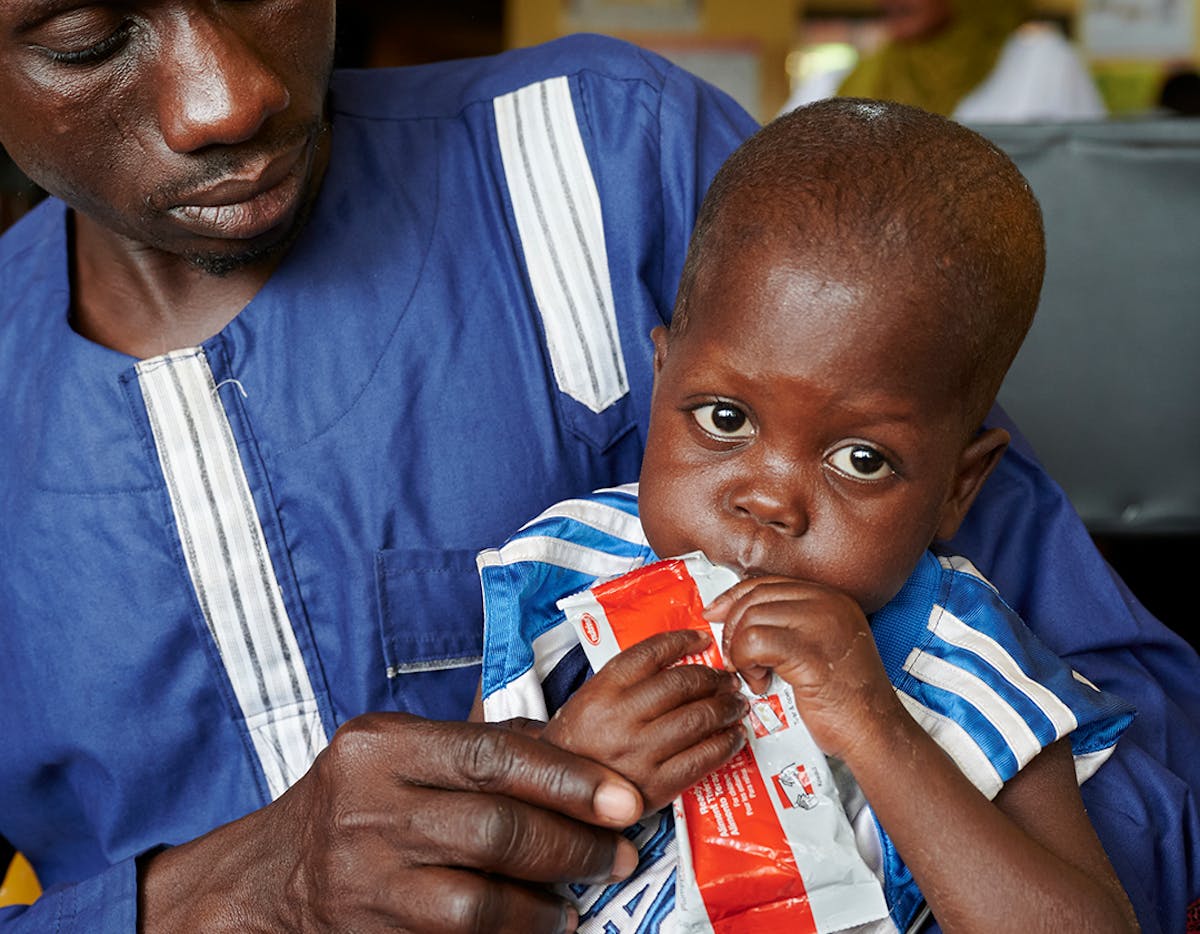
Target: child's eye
[[860, 462], [723, 420]]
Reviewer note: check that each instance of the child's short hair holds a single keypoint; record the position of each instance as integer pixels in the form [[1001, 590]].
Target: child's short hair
[[904, 194]]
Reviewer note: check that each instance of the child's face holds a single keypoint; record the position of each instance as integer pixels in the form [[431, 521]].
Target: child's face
[[802, 425]]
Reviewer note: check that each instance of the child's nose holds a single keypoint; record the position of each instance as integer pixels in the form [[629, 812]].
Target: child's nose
[[774, 498]]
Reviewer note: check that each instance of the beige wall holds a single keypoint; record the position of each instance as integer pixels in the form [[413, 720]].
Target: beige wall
[[768, 25]]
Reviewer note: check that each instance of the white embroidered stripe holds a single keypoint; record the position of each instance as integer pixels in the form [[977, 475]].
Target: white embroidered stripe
[[976, 692], [957, 744], [229, 565], [953, 630], [557, 209], [558, 552]]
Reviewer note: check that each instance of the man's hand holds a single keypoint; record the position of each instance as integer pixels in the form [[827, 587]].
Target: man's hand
[[662, 725], [406, 824]]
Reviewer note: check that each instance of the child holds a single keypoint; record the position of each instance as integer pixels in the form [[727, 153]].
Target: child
[[860, 278]]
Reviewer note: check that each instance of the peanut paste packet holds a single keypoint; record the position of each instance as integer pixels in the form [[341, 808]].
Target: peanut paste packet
[[764, 842]]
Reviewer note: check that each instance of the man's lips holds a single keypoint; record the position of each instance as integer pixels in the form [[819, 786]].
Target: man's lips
[[248, 203]]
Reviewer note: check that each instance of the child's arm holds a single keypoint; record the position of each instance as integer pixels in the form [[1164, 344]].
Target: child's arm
[[1029, 860], [662, 725]]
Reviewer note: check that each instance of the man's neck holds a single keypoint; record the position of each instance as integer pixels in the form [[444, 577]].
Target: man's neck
[[144, 302]]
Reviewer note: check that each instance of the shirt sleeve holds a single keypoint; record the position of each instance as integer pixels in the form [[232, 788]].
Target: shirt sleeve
[[700, 127], [103, 904], [985, 688], [982, 685], [531, 656]]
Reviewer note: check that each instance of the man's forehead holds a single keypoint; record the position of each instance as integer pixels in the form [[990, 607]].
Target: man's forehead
[[42, 7], [27, 12], [36, 10]]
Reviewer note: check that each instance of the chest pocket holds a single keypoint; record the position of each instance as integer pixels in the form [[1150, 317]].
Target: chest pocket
[[431, 624]]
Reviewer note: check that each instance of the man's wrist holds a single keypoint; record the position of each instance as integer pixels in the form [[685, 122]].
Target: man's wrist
[[228, 880]]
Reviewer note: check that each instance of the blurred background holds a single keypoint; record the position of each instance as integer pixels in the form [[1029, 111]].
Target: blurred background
[[760, 50]]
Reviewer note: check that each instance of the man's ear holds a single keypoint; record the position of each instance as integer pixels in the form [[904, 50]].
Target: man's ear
[[976, 463]]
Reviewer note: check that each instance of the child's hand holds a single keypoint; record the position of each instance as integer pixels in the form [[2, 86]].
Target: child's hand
[[663, 728], [818, 640]]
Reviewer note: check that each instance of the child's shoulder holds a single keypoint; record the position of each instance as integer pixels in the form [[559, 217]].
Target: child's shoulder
[[941, 592], [604, 522]]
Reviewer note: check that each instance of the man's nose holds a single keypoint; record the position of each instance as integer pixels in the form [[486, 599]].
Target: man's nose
[[213, 87], [776, 496]]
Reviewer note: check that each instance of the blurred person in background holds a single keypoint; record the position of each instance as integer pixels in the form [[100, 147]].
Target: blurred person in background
[[974, 60]]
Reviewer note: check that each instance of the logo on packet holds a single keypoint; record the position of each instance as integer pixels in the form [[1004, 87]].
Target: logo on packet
[[795, 788], [591, 631]]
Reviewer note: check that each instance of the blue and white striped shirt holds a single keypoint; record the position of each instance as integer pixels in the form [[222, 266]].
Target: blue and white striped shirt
[[961, 661]]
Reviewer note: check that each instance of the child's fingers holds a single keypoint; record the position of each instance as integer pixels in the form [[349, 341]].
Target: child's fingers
[[690, 725], [641, 661], [731, 605], [792, 627], [646, 680], [690, 765], [763, 644], [672, 688], [756, 596]]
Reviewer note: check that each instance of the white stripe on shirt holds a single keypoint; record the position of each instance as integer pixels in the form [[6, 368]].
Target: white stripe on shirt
[[979, 694], [957, 743], [559, 553], [597, 515], [949, 628], [230, 568], [557, 210]]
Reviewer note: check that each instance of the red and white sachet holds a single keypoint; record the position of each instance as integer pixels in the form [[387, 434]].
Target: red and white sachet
[[764, 842]]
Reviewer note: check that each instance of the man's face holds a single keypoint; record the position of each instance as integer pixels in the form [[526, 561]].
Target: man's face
[[193, 127], [801, 425]]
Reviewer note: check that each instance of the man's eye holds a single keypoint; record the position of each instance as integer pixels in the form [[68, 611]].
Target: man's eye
[[84, 51], [860, 462], [723, 420]]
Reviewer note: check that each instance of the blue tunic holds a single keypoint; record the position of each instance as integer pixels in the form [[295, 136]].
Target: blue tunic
[[399, 395]]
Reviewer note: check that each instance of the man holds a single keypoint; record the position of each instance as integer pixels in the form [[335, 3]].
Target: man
[[286, 361]]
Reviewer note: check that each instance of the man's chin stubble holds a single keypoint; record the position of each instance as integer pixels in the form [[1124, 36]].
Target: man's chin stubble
[[224, 263]]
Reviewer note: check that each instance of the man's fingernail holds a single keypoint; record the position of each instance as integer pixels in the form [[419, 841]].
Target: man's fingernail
[[570, 919], [625, 862], [618, 803]]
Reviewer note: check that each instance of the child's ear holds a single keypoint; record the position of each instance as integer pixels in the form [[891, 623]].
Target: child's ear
[[978, 459], [660, 336]]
